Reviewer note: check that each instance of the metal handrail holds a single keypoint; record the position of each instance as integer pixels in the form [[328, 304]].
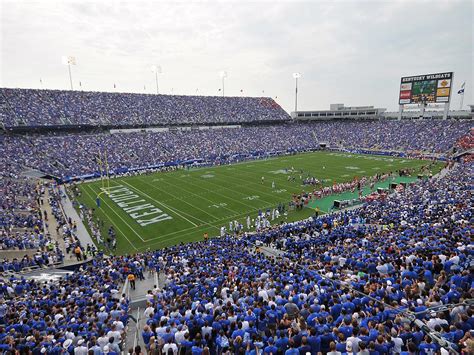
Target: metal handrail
[[137, 329]]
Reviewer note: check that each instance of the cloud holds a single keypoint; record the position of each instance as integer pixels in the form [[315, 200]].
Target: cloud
[[348, 51]]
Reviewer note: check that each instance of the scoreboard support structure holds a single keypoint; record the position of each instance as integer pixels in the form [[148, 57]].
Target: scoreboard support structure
[[422, 110]]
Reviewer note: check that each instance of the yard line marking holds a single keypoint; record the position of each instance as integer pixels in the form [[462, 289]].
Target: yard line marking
[[253, 183], [113, 223], [162, 204], [214, 225], [196, 194], [234, 191], [186, 202], [161, 240], [220, 189]]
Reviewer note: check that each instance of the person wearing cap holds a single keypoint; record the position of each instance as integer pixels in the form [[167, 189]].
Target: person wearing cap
[[102, 314], [349, 348], [354, 339], [420, 309], [81, 348], [68, 347]]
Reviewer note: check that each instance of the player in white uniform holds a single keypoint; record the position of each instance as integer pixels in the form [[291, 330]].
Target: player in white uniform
[[248, 222]]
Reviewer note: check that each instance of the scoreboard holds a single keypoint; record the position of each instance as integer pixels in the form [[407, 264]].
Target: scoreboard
[[428, 88]]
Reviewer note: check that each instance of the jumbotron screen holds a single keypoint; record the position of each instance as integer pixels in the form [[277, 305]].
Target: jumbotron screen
[[429, 88]]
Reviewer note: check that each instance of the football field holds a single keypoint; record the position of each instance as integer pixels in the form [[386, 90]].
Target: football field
[[166, 208]]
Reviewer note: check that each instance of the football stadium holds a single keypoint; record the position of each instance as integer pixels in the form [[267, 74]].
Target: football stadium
[[239, 217]]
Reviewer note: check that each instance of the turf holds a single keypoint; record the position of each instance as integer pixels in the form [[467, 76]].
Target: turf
[[201, 200]]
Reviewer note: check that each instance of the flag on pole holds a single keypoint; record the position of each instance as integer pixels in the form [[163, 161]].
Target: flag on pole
[[80, 84], [461, 91], [115, 86]]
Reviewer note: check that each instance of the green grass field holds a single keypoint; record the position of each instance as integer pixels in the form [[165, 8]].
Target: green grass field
[[166, 208]]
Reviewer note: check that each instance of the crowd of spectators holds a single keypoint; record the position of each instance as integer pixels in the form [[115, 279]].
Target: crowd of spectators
[[67, 314], [24, 228], [18, 202], [31, 107], [433, 136], [21, 224], [466, 142], [76, 154], [354, 282]]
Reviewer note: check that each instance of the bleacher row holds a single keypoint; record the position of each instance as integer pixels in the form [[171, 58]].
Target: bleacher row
[[30, 107], [70, 155]]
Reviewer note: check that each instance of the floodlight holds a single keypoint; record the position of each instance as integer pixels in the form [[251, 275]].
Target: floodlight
[[156, 69]]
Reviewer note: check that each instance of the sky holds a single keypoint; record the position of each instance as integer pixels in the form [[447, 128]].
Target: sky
[[351, 52]]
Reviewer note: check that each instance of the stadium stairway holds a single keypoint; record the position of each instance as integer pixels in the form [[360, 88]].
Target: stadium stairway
[[51, 225], [463, 153], [138, 301], [70, 211]]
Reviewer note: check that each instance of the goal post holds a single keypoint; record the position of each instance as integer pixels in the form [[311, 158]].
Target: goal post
[[103, 167]]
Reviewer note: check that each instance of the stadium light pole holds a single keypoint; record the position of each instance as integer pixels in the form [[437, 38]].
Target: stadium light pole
[[296, 76], [223, 75], [68, 60], [157, 70]]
